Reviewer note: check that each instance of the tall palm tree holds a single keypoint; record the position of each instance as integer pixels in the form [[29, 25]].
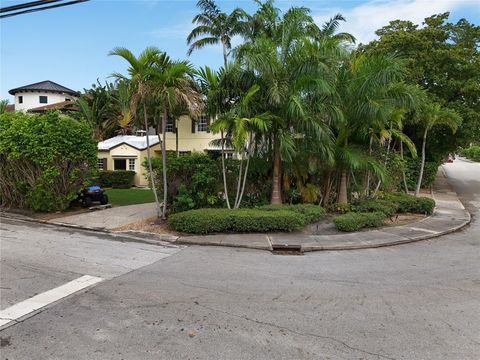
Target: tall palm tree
[[141, 73], [174, 87], [369, 90], [216, 26], [431, 115], [294, 74]]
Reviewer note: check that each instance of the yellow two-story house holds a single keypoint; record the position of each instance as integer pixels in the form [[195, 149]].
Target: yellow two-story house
[[128, 152]]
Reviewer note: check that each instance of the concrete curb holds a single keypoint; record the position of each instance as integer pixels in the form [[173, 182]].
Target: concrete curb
[[421, 230], [161, 240]]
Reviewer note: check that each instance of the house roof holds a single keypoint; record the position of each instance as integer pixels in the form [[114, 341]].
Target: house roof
[[46, 85], [137, 142], [62, 105]]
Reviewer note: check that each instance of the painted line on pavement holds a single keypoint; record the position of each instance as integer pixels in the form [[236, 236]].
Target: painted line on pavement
[[39, 301]]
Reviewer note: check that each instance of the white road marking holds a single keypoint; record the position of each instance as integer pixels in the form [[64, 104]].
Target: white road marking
[[39, 301]]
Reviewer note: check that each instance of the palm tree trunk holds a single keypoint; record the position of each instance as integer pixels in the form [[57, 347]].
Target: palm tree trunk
[[224, 172], [225, 60], [164, 162], [246, 171], [276, 180], [367, 188], [342, 193], [404, 179], [176, 137], [239, 182], [149, 160], [422, 166]]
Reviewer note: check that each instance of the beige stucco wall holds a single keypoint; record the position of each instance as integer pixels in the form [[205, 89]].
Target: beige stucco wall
[[127, 152], [187, 141]]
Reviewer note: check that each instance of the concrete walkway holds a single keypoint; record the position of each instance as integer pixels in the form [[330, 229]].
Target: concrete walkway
[[110, 218], [449, 215]]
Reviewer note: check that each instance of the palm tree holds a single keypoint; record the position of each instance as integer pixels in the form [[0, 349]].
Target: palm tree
[[241, 126], [217, 26], [174, 87], [141, 73], [295, 75], [369, 90], [430, 115], [3, 106]]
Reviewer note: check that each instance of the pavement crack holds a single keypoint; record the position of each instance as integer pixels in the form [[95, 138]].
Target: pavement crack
[[331, 338]]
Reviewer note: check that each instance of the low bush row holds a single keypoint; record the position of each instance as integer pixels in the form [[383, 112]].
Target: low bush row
[[312, 213], [354, 221], [472, 153], [410, 204], [263, 219], [115, 179]]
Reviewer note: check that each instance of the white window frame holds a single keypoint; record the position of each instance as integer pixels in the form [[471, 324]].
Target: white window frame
[[202, 124], [131, 164], [100, 164], [228, 155]]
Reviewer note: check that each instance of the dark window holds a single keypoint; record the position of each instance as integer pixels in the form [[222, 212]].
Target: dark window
[[202, 123], [120, 164], [20, 99], [169, 126], [43, 99], [68, 99]]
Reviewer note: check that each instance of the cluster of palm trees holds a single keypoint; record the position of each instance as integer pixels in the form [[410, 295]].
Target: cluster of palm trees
[[293, 93]]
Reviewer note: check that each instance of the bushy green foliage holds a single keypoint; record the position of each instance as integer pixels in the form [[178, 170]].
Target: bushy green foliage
[[412, 171], [411, 204], [354, 221], [116, 179], [44, 160], [472, 153], [311, 212], [206, 221], [193, 180], [376, 205]]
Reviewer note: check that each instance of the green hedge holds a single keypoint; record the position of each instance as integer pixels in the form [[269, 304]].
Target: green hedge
[[356, 221], [411, 204], [376, 205], [116, 179], [472, 153], [311, 212], [206, 221]]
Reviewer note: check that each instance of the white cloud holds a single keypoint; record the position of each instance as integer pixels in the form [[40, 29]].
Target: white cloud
[[363, 20]]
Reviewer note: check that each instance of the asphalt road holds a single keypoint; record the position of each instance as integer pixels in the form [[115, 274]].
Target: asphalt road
[[415, 301]]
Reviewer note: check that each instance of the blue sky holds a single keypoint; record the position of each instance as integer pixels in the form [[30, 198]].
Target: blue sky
[[70, 45]]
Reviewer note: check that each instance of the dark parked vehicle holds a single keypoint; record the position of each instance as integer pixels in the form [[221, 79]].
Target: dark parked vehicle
[[91, 194]]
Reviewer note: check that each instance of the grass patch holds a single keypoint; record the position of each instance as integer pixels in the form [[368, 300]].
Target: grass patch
[[132, 196]]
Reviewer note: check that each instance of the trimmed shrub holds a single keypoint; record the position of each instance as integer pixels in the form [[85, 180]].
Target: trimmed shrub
[[376, 205], [472, 153], [356, 221], [410, 204], [207, 221], [312, 213], [45, 160], [116, 179]]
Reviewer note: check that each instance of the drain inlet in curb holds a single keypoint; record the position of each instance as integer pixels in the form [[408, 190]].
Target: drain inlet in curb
[[285, 249]]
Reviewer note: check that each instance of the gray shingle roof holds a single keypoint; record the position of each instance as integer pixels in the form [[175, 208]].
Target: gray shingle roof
[[46, 85]]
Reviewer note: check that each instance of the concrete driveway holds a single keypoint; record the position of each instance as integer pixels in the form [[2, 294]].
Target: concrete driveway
[[111, 218]]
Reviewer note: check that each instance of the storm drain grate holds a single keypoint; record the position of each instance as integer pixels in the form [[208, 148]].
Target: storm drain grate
[[285, 249]]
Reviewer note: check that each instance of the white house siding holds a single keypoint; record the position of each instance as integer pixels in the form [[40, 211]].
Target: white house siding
[[32, 99]]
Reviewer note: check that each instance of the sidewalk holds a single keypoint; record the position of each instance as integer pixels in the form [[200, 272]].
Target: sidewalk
[[449, 216]]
